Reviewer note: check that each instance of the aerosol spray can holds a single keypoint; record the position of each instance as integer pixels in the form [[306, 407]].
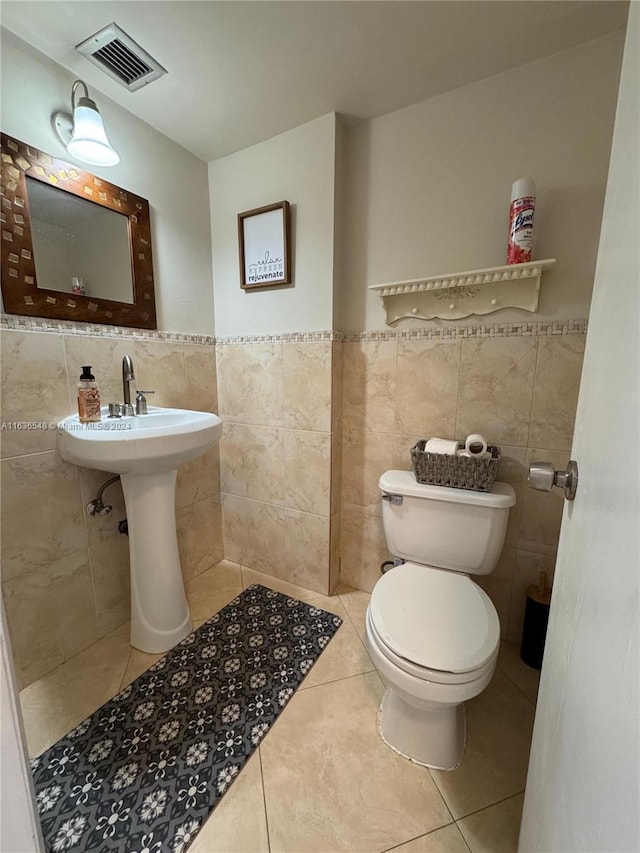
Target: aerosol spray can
[[521, 211]]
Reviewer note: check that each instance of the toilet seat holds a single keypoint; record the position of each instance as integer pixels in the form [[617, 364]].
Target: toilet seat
[[424, 673], [435, 624]]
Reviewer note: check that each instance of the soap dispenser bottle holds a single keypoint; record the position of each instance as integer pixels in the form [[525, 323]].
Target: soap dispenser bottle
[[88, 397]]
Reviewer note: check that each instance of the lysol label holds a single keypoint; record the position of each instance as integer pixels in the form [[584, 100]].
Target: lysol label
[[520, 230]]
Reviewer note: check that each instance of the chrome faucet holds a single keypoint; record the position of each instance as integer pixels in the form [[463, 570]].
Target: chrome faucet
[[127, 377]]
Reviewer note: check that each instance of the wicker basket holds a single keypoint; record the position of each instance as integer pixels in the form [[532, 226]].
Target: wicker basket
[[457, 472]]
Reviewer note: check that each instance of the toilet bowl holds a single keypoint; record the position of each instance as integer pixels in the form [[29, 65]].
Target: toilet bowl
[[432, 633], [433, 636]]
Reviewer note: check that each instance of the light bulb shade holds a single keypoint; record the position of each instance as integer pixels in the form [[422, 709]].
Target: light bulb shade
[[89, 141]]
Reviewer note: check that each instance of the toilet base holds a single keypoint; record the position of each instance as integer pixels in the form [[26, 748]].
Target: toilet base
[[434, 737]]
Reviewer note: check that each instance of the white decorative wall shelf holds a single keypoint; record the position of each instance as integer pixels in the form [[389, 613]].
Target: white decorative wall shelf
[[461, 294]]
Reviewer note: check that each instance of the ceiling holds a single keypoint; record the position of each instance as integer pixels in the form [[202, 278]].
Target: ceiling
[[244, 71]]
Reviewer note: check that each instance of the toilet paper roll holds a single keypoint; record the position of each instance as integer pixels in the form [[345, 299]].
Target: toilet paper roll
[[441, 445], [486, 455], [475, 445]]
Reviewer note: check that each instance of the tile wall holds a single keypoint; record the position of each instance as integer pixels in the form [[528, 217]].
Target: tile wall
[[275, 399], [310, 423], [519, 390], [65, 576]]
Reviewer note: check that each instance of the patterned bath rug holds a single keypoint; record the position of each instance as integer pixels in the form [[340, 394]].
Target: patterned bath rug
[[145, 771]]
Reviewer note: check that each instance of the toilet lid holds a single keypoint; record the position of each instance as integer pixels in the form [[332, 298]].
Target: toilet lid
[[436, 619]]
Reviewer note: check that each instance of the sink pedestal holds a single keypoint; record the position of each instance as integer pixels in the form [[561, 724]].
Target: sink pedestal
[[147, 450], [160, 615]]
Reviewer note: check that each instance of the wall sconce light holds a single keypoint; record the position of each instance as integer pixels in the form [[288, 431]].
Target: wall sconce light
[[83, 133]]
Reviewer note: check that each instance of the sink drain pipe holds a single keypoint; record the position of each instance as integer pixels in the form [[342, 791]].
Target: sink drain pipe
[[97, 505]]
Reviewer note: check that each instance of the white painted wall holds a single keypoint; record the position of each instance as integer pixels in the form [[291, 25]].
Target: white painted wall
[[428, 186], [583, 786], [340, 207], [298, 166], [151, 165]]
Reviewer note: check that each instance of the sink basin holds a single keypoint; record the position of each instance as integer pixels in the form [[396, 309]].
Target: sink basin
[[162, 440], [146, 450]]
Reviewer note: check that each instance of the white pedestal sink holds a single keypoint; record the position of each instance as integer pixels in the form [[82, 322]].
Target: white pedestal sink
[[146, 450]]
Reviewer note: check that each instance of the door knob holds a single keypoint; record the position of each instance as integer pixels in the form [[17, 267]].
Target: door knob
[[543, 477]]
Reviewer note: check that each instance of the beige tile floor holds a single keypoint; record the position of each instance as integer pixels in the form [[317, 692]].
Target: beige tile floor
[[322, 780]]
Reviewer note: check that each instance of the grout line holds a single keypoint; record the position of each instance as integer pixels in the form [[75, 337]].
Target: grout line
[[85, 527], [126, 667], [512, 583], [67, 376], [301, 688], [533, 393], [442, 796], [229, 422], [490, 806], [264, 798], [28, 455], [184, 374], [274, 578], [355, 628], [395, 389], [423, 835], [346, 610], [455, 417], [278, 506], [337, 680], [434, 779], [70, 660], [462, 835], [533, 702]]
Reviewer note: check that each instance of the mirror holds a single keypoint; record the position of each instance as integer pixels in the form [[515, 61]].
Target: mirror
[[79, 247], [74, 246]]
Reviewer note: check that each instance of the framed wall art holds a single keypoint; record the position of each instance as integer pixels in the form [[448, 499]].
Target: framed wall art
[[264, 236]]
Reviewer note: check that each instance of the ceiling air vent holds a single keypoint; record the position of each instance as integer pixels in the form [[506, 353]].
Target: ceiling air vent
[[119, 56]]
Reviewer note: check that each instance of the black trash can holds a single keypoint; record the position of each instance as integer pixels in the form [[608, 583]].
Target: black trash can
[[536, 618]]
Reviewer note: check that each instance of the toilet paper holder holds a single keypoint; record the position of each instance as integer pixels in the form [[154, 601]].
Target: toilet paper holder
[[543, 477]]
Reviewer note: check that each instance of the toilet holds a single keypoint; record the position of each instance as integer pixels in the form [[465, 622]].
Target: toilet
[[432, 633]]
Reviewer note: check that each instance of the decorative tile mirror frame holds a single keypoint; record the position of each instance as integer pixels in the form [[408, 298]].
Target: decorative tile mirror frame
[[20, 291]]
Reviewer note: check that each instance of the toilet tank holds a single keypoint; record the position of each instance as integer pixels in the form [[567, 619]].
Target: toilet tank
[[454, 529]]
